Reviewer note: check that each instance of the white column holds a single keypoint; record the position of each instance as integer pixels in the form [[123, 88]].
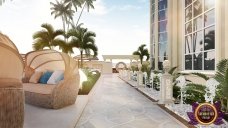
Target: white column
[[156, 34], [140, 76]]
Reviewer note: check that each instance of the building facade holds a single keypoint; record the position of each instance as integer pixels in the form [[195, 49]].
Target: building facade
[[191, 34]]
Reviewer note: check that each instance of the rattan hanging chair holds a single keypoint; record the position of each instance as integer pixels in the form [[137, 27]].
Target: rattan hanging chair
[[52, 96], [11, 91]]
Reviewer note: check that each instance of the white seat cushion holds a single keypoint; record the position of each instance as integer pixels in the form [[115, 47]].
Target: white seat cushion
[[54, 79]]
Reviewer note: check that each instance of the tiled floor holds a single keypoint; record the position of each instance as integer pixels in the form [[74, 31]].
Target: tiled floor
[[117, 105]]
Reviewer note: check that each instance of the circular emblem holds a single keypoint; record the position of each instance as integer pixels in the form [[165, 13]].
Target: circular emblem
[[206, 114]]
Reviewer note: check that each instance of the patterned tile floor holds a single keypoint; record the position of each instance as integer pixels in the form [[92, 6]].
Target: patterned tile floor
[[117, 105]]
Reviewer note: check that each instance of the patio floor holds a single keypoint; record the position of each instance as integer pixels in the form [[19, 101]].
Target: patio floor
[[115, 104], [37, 117]]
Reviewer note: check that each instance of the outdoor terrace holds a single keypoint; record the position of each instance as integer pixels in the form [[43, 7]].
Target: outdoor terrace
[[112, 103]]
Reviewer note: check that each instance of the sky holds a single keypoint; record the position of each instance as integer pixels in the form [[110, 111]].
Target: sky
[[120, 25]]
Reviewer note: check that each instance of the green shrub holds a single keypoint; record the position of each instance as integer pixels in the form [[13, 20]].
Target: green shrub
[[176, 91], [194, 93], [92, 77]]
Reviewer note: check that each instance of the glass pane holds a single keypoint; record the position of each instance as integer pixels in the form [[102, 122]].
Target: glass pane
[[187, 2], [153, 1], [160, 62], [152, 18], [209, 18], [153, 63], [188, 27], [198, 23], [198, 61], [163, 49], [162, 26], [188, 13], [152, 29], [197, 7], [162, 4], [162, 15], [154, 49], [188, 44], [209, 60], [209, 38], [162, 37], [188, 62], [153, 40], [153, 8], [198, 41], [209, 4]]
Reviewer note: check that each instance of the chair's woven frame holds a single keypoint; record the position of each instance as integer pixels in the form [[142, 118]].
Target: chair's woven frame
[[11, 91], [12, 107], [64, 94]]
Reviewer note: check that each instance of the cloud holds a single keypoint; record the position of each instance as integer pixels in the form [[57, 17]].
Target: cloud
[[100, 8], [129, 8]]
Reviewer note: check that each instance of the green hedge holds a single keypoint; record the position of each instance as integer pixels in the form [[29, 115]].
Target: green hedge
[[92, 77]]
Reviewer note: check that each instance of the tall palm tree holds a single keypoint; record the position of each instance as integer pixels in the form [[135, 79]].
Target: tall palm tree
[[142, 51], [88, 4], [75, 3], [47, 37], [84, 40], [63, 10]]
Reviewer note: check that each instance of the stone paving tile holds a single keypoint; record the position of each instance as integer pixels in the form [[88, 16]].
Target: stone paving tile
[[117, 105]]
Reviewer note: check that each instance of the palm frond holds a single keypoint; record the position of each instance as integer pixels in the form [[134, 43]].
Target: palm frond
[[48, 27], [225, 86], [40, 34], [222, 66], [201, 75], [171, 71], [136, 53]]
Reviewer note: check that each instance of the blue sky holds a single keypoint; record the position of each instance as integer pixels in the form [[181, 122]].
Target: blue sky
[[121, 25]]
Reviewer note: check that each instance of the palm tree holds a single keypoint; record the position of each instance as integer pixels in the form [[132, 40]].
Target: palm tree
[[75, 3], [88, 4], [84, 40], [63, 10], [47, 37], [142, 51]]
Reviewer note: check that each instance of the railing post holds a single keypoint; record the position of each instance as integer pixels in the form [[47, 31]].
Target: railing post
[[166, 88], [140, 76]]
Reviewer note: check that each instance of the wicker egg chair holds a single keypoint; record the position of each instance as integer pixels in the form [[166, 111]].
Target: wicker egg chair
[[51, 96], [11, 91]]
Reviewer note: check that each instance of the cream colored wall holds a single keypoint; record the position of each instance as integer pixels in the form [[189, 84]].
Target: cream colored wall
[[225, 46], [175, 31], [104, 67]]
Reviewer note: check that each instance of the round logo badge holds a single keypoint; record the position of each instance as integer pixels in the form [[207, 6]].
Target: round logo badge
[[206, 114]]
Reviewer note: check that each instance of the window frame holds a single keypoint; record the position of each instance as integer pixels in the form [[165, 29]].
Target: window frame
[[195, 31]]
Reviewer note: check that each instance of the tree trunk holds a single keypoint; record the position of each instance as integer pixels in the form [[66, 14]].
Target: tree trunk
[[80, 14], [64, 28], [81, 52], [141, 59]]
